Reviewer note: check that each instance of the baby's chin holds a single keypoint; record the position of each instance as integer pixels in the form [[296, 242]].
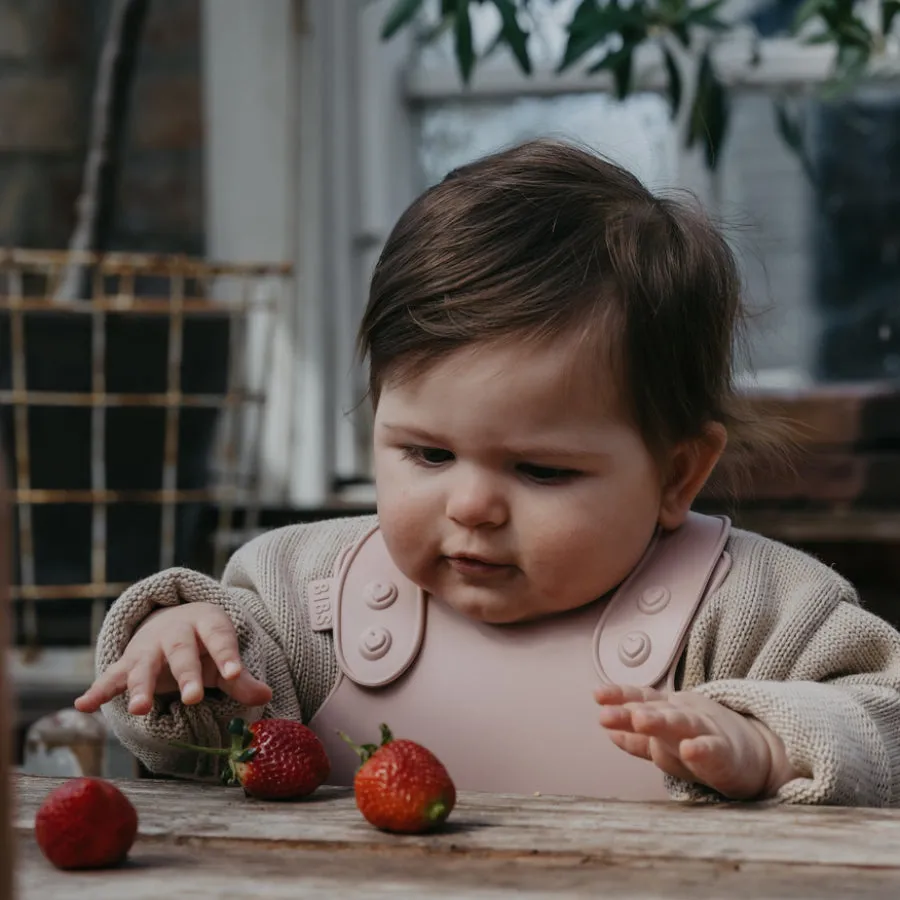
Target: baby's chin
[[500, 612], [497, 612]]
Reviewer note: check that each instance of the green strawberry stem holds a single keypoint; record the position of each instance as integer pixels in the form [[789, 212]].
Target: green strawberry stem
[[366, 751], [240, 749]]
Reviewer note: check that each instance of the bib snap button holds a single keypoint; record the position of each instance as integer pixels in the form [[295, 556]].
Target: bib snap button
[[374, 643], [380, 595], [634, 648], [655, 599]]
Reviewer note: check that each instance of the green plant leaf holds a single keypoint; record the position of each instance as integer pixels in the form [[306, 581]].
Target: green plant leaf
[[809, 10], [435, 31], [790, 128], [889, 9], [513, 34], [401, 14], [706, 16], [593, 24], [465, 51], [623, 71], [674, 80], [619, 62], [709, 115], [853, 32], [584, 15], [851, 63], [825, 37], [682, 32], [585, 31], [673, 10]]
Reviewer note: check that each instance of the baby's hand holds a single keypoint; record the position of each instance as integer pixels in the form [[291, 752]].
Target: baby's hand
[[697, 739], [180, 649]]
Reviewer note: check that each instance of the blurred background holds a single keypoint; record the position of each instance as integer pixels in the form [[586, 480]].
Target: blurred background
[[193, 194]]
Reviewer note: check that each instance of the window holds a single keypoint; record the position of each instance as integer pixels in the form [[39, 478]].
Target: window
[[375, 123], [759, 191]]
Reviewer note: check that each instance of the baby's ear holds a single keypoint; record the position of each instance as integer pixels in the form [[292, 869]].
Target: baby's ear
[[690, 464]]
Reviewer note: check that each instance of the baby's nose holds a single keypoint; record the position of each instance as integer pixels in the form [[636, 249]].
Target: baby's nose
[[476, 499]]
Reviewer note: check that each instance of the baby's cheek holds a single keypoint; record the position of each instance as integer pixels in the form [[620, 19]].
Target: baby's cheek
[[569, 572], [406, 539], [553, 566]]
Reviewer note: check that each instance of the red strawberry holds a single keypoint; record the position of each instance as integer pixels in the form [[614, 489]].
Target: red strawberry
[[85, 823], [401, 786], [273, 759]]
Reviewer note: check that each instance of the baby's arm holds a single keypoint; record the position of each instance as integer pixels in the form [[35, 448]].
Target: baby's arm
[[695, 739], [262, 597], [784, 645], [180, 650]]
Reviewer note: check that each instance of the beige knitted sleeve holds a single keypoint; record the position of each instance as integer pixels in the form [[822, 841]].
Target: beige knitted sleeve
[[785, 640], [263, 592]]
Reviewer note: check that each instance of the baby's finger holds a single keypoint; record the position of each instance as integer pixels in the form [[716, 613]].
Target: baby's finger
[[142, 681], [667, 761], [636, 744], [617, 694], [110, 684], [183, 657], [616, 718], [219, 637], [702, 749], [668, 724], [246, 689], [709, 758], [644, 747]]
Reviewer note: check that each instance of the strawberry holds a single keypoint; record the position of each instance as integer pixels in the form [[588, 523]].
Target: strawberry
[[85, 823], [401, 786], [272, 759]]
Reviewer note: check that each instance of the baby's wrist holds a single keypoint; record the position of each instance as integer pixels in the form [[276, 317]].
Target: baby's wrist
[[780, 768], [154, 614]]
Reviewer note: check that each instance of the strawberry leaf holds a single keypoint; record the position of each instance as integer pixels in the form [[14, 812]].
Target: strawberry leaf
[[363, 751], [366, 751]]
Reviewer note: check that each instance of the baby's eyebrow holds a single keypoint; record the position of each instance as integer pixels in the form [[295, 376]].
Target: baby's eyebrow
[[409, 430], [524, 452], [416, 435]]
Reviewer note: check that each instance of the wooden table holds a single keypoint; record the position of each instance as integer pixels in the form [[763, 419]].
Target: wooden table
[[200, 841]]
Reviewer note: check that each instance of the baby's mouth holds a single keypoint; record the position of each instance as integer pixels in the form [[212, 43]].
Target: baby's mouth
[[473, 565]]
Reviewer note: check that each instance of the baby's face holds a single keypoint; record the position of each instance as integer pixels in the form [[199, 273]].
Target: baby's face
[[509, 489]]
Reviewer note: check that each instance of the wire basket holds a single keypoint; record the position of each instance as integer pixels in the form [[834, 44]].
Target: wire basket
[[125, 414]]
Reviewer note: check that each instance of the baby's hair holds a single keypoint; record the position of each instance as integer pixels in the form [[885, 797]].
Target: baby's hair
[[546, 241]]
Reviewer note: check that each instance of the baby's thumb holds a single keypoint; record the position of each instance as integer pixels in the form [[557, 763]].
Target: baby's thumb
[[246, 689]]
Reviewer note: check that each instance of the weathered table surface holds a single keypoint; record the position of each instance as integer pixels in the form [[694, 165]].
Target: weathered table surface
[[199, 841]]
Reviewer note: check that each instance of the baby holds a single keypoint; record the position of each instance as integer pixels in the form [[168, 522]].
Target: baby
[[550, 350]]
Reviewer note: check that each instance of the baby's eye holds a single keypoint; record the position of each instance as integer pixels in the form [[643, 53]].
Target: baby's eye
[[427, 456], [547, 474]]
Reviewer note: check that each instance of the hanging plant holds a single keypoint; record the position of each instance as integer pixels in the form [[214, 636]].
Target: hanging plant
[[607, 34]]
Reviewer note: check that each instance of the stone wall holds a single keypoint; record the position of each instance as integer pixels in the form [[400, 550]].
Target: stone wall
[[48, 57]]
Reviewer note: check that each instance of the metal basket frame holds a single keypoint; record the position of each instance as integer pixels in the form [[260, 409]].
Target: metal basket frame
[[111, 278]]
